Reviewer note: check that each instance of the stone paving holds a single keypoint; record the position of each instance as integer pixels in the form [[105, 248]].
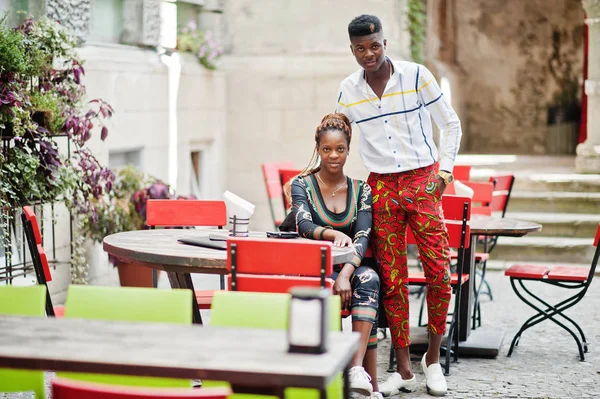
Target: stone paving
[[545, 365]]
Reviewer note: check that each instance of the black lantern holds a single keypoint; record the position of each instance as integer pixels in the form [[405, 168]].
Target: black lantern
[[308, 323]]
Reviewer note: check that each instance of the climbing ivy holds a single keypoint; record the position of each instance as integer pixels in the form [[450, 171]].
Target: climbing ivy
[[417, 28]]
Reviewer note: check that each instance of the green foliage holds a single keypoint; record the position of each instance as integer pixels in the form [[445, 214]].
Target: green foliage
[[50, 104], [417, 27], [12, 54]]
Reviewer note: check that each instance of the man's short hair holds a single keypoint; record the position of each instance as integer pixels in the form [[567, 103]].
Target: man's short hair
[[364, 25]]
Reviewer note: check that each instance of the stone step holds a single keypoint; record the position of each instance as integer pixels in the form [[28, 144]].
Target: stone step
[[561, 182], [553, 201], [544, 249], [581, 225]]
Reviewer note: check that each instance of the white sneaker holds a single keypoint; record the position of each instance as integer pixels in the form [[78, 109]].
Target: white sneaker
[[395, 384], [434, 378], [359, 381], [376, 395]]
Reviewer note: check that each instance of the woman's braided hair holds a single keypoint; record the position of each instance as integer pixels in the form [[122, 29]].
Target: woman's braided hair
[[335, 121]]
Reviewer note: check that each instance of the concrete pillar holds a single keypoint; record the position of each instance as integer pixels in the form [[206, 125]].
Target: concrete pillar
[[73, 14], [588, 152]]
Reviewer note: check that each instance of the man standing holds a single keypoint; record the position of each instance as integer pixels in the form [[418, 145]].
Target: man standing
[[391, 103]]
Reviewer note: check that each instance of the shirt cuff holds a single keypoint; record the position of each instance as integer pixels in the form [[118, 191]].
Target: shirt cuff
[[447, 164]]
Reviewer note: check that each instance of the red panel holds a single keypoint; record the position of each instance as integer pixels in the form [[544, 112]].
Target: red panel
[[271, 175], [418, 278], [70, 389], [479, 256], [569, 273], [174, 213], [482, 192], [502, 187], [45, 265], [204, 298], [453, 206], [59, 311], [597, 238], [285, 175], [482, 210], [30, 215], [527, 271], [275, 283], [462, 172], [277, 256]]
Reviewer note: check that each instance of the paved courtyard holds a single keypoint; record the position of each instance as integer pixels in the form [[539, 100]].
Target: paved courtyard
[[545, 365]]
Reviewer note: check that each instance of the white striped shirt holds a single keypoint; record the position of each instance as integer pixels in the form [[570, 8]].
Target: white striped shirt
[[396, 132]]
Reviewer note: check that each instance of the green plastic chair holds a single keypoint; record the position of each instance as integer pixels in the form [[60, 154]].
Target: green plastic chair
[[129, 304], [268, 311], [23, 301]]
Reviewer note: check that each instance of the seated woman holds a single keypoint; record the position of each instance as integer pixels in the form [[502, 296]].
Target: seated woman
[[330, 206]]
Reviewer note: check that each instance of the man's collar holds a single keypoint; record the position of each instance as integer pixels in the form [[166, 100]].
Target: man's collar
[[359, 76]]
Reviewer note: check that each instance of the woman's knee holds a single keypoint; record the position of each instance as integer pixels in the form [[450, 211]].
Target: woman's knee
[[365, 278]]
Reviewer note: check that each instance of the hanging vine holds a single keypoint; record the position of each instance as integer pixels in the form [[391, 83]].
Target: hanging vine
[[417, 28]]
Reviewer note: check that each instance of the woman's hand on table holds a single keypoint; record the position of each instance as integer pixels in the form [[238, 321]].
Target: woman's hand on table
[[342, 285], [341, 240]]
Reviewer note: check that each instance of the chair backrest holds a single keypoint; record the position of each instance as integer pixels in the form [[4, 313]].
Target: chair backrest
[[276, 262], [129, 304], [272, 180], [274, 189], [184, 213], [38, 255], [503, 185], [285, 175], [67, 389], [269, 311], [34, 238], [22, 301], [482, 194], [462, 172]]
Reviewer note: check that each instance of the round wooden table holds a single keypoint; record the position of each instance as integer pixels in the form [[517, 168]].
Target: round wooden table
[[491, 226], [159, 249]]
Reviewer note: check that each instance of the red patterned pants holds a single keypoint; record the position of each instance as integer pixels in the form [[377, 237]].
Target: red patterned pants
[[410, 199]]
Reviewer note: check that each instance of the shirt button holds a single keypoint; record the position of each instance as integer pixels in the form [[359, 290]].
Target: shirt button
[[379, 106], [385, 121], [398, 165], [390, 137], [394, 152]]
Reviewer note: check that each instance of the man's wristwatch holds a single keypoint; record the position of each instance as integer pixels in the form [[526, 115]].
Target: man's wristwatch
[[446, 176]]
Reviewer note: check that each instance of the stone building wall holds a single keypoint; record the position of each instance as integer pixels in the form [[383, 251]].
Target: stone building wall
[[508, 60], [287, 59]]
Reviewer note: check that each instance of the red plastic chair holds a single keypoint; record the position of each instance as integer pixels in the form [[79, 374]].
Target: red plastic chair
[[270, 265], [39, 258], [576, 279], [457, 213], [188, 213], [285, 175], [503, 185], [63, 388], [274, 189]]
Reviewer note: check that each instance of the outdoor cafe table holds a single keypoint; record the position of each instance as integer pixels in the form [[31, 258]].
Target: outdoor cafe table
[[252, 360], [485, 341], [159, 249]]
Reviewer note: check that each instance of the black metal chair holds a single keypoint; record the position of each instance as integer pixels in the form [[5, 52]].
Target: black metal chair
[[566, 277]]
